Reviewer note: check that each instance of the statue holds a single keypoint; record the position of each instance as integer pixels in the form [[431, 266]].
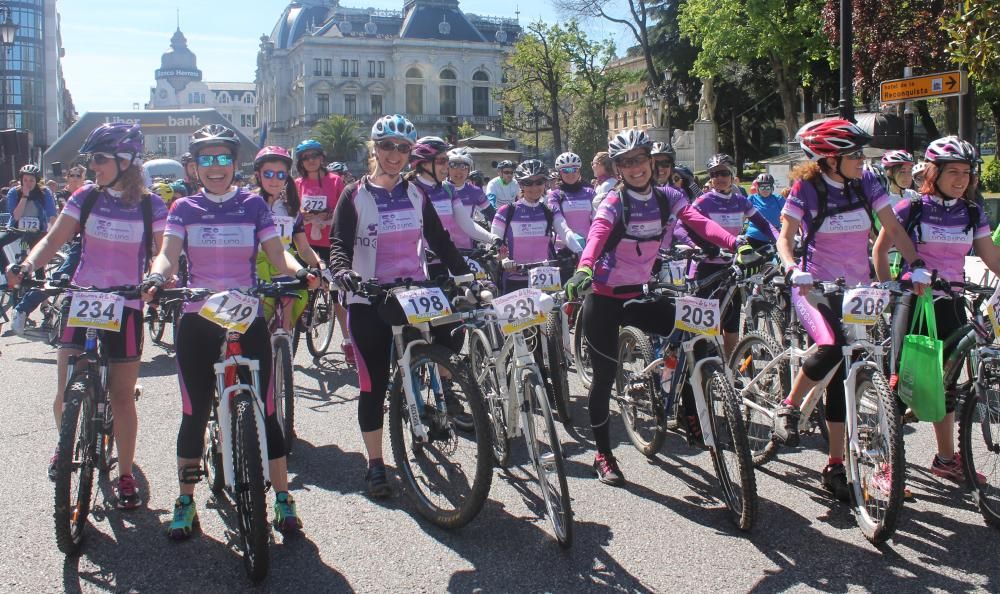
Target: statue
[[706, 105]]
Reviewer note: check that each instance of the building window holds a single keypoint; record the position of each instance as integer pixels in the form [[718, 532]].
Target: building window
[[354, 68], [317, 67], [223, 97], [414, 99], [414, 72], [481, 76], [327, 67], [481, 101], [448, 74], [228, 116], [248, 99], [449, 104], [376, 101], [248, 121], [350, 104], [381, 69], [323, 103], [371, 68], [625, 119], [344, 65], [616, 120]]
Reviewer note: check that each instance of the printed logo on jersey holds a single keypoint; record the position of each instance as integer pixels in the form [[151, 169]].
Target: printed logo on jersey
[[944, 234], [113, 230], [728, 220], [394, 222], [529, 228], [847, 222], [644, 228], [576, 205], [442, 207], [221, 236]]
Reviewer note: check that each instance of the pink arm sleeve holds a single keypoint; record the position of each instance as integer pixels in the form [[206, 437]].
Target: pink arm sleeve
[[600, 230], [707, 228]]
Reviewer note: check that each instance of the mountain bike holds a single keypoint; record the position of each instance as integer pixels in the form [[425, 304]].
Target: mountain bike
[[317, 323], [282, 359]]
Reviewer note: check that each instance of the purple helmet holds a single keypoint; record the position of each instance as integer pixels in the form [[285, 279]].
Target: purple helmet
[[114, 139], [951, 149], [427, 148]]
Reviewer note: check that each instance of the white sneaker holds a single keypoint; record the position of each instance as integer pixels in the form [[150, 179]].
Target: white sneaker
[[18, 321]]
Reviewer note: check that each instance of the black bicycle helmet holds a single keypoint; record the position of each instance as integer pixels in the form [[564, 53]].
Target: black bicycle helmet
[[505, 164], [719, 161], [214, 135]]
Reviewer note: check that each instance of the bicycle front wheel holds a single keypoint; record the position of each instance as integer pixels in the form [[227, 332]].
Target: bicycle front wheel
[[731, 454], [752, 355], [485, 376], [979, 441], [284, 392], [581, 353], [320, 324], [450, 472], [251, 506], [546, 456], [557, 368], [157, 323], [876, 467], [75, 464], [639, 396]]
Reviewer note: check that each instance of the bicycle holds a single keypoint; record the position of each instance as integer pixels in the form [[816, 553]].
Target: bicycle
[[16, 251], [650, 409], [874, 453], [236, 456], [447, 471], [317, 323], [86, 433], [282, 349], [508, 371]]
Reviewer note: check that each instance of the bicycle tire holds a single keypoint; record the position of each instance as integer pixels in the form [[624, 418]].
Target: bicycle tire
[[248, 490], [558, 506], [979, 419], [767, 319], [725, 410], [432, 482], [485, 376], [635, 395], [211, 457], [757, 348], [557, 369], [581, 353], [52, 322], [320, 324], [876, 513], [76, 451], [284, 392], [106, 441], [156, 324]]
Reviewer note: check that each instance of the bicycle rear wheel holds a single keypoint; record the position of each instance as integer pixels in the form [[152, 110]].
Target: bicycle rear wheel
[[581, 353], [211, 457], [731, 454], [752, 354], [319, 326], [557, 368], [979, 440], [248, 490], [547, 459], [485, 376], [77, 451], [157, 323], [639, 396], [106, 439], [284, 392], [876, 469], [449, 474]]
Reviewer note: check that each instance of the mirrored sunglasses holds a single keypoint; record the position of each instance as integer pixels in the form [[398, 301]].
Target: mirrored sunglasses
[[270, 174], [223, 160], [389, 146]]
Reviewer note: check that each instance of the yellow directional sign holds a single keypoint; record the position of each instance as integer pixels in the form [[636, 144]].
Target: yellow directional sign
[[929, 86]]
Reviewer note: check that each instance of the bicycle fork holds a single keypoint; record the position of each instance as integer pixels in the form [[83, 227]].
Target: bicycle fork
[[228, 386], [414, 402]]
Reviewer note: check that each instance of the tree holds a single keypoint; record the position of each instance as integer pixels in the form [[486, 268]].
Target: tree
[[786, 34], [974, 33], [340, 137], [675, 54], [588, 132], [466, 130]]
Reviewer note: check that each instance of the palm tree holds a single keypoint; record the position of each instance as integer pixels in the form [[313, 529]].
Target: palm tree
[[339, 136]]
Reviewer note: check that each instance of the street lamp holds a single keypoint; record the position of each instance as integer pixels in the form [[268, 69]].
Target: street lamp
[[500, 121], [657, 99], [8, 31]]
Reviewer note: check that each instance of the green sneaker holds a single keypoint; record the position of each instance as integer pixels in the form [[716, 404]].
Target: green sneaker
[[286, 520], [185, 518]]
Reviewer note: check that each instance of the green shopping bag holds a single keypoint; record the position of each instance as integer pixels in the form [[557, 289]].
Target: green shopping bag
[[921, 371]]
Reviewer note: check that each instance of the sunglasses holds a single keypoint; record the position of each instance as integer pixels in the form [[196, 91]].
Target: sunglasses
[[270, 174], [311, 155], [721, 173], [765, 187], [569, 170], [458, 165], [74, 175], [389, 146], [506, 172], [531, 182], [855, 155], [99, 158], [632, 161], [224, 160], [663, 164]]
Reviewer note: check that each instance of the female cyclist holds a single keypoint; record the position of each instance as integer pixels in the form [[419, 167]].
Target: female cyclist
[[273, 172], [898, 167], [109, 216], [572, 199], [624, 259], [319, 191], [220, 229], [684, 181], [32, 208], [836, 246], [663, 163], [769, 205], [468, 197], [944, 223], [378, 229]]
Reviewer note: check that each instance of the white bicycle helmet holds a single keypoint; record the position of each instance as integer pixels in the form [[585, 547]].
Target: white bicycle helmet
[[568, 160]]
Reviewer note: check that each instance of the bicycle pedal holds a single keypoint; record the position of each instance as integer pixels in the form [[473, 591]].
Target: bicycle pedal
[[138, 391]]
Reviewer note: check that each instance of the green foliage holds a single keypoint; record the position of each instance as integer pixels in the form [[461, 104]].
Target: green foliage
[[588, 133], [466, 130], [974, 30], [340, 136], [990, 179]]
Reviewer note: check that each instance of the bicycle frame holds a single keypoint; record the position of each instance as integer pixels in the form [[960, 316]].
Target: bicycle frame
[[413, 403]]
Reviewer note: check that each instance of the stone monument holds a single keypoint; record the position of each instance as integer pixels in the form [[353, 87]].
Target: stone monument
[[706, 131]]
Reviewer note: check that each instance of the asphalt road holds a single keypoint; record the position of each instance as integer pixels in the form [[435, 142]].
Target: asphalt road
[[665, 531]]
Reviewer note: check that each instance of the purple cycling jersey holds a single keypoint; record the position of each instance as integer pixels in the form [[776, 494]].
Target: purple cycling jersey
[[113, 249], [471, 198], [399, 234], [575, 206], [528, 237], [441, 199], [728, 210], [840, 247], [221, 239], [944, 235]]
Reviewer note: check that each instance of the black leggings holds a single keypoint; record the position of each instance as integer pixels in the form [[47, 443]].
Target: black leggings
[[372, 336], [827, 357], [199, 343], [603, 316]]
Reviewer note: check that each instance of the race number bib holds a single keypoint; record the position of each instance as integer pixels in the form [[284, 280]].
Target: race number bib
[[89, 309], [313, 203], [697, 315], [284, 226], [863, 305], [677, 269], [476, 268], [544, 278], [993, 313], [29, 224], [519, 310], [423, 305], [232, 310]]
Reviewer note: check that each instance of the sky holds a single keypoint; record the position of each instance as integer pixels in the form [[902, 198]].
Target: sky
[[113, 47]]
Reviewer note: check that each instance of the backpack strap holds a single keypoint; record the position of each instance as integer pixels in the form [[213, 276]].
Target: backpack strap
[[913, 217], [88, 205], [972, 207]]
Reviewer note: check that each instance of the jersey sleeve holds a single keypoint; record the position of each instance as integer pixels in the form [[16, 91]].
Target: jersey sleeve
[[176, 225], [499, 225], [299, 225], [877, 195], [159, 209], [265, 228], [74, 206], [798, 199], [982, 226], [49, 205]]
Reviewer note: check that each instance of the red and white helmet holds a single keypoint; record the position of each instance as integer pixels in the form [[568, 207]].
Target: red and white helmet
[[893, 158], [951, 149], [831, 138]]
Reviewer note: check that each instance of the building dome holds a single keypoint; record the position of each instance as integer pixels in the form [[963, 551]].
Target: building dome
[[179, 66]]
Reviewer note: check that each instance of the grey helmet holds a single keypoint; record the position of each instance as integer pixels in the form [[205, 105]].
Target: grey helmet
[[662, 148], [628, 140], [718, 161], [529, 169]]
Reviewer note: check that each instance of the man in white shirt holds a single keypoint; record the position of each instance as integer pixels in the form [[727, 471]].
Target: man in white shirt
[[502, 189]]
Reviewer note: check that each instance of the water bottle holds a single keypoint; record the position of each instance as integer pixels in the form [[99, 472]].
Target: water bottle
[[669, 366]]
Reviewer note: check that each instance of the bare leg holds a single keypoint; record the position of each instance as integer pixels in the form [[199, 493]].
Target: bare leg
[[837, 439], [944, 433], [342, 321], [373, 443], [801, 387], [123, 379], [279, 474]]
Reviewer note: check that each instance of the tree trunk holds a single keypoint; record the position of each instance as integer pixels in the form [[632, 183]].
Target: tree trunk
[[787, 86], [995, 111], [556, 128], [951, 115], [927, 120]]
